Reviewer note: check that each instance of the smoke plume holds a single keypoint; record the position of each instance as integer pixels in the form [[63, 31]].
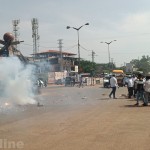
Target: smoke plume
[[16, 81]]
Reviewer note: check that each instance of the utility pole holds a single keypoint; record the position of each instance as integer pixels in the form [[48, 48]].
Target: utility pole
[[77, 29], [112, 63], [93, 55], [108, 43], [60, 49], [35, 36], [92, 69], [15, 31]]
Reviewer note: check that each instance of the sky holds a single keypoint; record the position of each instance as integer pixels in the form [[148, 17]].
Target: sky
[[126, 21]]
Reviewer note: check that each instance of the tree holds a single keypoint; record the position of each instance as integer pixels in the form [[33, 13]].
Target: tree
[[87, 66], [143, 64], [94, 68]]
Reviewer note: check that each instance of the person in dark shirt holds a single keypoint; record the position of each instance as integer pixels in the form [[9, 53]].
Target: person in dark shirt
[[146, 90], [140, 89]]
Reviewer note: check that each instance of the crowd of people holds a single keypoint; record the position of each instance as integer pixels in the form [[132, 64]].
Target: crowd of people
[[138, 87]]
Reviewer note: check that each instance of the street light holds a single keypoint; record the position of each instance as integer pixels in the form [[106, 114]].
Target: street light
[[108, 43], [77, 29]]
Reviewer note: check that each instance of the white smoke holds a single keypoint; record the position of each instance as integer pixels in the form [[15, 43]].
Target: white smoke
[[16, 81]]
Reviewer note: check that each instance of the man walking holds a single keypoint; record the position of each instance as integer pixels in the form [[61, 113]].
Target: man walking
[[113, 84], [130, 86]]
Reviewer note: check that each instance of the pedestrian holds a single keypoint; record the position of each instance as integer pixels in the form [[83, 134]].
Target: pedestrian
[[130, 85], [73, 81], [146, 90], [140, 89], [113, 85], [125, 80], [81, 82], [134, 78]]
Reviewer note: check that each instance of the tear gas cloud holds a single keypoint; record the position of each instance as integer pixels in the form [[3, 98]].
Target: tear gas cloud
[[16, 81]]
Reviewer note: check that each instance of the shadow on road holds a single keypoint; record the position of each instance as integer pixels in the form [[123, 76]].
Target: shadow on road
[[133, 105], [104, 98]]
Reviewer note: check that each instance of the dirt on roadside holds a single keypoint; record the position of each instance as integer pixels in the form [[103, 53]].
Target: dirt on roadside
[[109, 124]]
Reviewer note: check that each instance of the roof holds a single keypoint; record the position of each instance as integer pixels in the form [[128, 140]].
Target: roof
[[55, 52], [117, 71]]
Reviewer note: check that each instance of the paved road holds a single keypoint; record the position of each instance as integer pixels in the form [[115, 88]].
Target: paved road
[[72, 118]]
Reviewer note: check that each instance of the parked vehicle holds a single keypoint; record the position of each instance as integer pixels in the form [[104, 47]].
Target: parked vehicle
[[119, 76], [69, 81], [41, 82], [106, 81], [59, 82]]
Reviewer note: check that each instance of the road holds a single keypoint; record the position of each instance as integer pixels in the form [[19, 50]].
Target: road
[[72, 118]]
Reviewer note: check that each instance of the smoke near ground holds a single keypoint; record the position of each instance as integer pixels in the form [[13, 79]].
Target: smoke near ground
[[16, 82]]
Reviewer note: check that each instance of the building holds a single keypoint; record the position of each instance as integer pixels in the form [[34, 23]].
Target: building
[[129, 67], [55, 61], [53, 65]]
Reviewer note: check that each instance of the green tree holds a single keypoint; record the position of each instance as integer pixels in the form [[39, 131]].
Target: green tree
[[94, 68], [87, 66], [142, 64]]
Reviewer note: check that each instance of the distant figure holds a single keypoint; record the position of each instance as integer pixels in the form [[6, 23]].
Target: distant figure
[[81, 82], [113, 85], [125, 80], [72, 81], [134, 78]]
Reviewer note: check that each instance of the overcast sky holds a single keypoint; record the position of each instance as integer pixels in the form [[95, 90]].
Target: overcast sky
[[127, 21]]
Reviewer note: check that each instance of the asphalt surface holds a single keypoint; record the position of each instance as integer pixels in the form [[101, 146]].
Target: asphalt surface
[[72, 118]]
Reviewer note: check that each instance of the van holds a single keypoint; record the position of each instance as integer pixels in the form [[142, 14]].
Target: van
[[119, 76]]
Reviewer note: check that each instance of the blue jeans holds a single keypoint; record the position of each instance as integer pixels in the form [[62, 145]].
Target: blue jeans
[[113, 92], [140, 96], [146, 96]]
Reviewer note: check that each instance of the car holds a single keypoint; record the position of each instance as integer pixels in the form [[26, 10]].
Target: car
[[106, 81], [69, 81], [59, 82]]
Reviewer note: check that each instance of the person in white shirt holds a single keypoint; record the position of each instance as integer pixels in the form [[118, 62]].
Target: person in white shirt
[[146, 90], [130, 86], [113, 84], [134, 78]]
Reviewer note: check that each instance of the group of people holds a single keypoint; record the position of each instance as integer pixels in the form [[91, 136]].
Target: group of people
[[138, 87]]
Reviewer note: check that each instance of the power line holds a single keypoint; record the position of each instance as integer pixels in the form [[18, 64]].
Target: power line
[[84, 48]]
